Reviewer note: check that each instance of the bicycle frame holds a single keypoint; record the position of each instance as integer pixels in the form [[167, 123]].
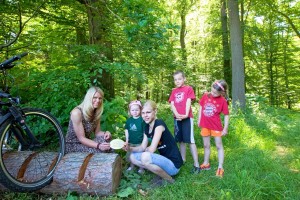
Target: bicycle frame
[[20, 121]]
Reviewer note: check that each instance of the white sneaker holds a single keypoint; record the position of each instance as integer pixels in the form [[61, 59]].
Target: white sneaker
[[141, 171]]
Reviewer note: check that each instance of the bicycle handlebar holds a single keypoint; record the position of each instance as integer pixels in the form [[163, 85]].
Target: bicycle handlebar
[[7, 64]]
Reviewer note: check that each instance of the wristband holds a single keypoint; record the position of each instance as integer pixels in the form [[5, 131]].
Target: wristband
[[98, 145]]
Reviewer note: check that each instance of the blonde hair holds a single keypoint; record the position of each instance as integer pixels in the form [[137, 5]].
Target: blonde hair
[[152, 104], [89, 112]]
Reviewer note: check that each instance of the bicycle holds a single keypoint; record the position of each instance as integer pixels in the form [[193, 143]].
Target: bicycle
[[29, 134]]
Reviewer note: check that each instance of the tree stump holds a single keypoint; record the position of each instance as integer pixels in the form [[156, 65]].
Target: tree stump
[[95, 174]]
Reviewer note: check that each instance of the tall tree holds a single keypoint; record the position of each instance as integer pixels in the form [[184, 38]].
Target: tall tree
[[99, 28], [225, 44], [238, 68]]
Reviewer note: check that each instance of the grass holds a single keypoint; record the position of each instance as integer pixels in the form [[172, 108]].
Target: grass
[[261, 162]]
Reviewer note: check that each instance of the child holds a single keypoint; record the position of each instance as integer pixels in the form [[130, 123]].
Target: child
[[212, 104], [134, 128], [180, 99]]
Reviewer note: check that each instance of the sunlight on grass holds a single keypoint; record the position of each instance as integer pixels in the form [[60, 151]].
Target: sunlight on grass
[[261, 162]]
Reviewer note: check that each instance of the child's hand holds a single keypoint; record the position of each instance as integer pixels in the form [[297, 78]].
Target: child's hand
[[224, 132], [181, 117], [126, 146]]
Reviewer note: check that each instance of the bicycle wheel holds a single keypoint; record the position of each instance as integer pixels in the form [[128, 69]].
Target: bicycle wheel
[[23, 168]]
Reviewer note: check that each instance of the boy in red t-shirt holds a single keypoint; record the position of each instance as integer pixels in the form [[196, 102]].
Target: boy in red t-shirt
[[212, 104], [180, 99]]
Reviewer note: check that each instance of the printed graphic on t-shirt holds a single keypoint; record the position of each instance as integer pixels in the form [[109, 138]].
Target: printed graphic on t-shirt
[[179, 97], [209, 109], [133, 127]]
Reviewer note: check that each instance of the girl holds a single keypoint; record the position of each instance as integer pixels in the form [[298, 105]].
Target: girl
[[168, 162], [84, 122], [134, 128], [212, 104]]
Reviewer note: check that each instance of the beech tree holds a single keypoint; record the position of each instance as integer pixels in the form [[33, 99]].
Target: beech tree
[[238, 68]]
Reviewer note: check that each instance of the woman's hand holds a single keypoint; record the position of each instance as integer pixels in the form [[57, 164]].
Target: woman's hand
[[107, 135], [104, 146]]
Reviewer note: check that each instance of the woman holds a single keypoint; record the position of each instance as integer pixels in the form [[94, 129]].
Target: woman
[[85, 121], [168, 162]]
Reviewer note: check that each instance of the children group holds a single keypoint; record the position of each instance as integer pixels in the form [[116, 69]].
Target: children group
[[142, 128]]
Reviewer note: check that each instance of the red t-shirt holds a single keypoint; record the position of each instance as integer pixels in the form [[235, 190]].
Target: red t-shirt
[[212, 107], [179, 96]]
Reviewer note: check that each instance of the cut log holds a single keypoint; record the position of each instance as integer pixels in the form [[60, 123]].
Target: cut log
[[95, 174]]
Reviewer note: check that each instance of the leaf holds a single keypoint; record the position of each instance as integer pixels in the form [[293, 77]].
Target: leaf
[[126, 192]]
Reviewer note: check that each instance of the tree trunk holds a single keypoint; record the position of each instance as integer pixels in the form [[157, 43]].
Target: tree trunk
[[225, 43], [286, 79], [238, 68], [99, 24], [182, 33]]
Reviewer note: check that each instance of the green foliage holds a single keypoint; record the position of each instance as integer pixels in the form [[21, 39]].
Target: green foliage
[[114, 117], [262, 162]]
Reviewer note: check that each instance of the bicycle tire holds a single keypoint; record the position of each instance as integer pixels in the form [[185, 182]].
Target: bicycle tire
[[43, 160]]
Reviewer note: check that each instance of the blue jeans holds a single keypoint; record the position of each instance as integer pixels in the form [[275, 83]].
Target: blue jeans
[[166, 164]]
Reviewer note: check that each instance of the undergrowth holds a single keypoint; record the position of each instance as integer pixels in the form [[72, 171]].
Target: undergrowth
[[261, 162]]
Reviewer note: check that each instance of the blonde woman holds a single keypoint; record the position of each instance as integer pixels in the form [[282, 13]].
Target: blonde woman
[[165, 164], [85, 122]]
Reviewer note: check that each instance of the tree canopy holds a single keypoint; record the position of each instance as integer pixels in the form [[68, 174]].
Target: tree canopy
[[131, 48]]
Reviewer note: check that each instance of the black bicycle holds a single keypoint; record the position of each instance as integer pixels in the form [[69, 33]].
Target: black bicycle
[[31, 141]]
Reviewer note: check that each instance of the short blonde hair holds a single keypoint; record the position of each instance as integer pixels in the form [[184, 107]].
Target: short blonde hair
[[86, 106], [152, 104]]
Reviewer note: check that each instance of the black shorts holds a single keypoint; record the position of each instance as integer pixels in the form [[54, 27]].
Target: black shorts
[[184, 130]]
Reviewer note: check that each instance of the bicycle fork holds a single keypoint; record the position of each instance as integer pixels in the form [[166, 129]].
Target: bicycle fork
[[33, 142]]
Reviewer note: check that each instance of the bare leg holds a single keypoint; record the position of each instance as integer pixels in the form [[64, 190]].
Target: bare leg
[[220, 148], [146, 162], [194, 153], [183, 151], [206, 144]]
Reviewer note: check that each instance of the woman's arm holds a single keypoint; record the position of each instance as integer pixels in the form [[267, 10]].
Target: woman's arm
[[76, 117], [141, 147], [106, 134], [156, 138]]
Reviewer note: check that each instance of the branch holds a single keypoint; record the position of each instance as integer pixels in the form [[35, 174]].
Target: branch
[[21, 25], [290, 22]]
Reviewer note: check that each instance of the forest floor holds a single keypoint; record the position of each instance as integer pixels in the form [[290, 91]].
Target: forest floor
[[262, 161]]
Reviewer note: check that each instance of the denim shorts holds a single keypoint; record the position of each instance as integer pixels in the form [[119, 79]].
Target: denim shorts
[[166, 164]]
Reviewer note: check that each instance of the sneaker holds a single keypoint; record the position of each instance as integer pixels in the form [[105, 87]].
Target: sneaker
[[129, 168], [141, 171], [160, 182], [220, 173], [195, 170], [205, 167]]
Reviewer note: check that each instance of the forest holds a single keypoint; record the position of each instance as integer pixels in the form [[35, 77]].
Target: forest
[[131, 48]]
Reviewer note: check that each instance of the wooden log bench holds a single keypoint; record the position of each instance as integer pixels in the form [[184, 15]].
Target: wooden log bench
[[94, 174]]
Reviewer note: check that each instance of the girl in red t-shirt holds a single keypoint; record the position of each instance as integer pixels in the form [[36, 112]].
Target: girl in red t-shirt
[[212, 104]]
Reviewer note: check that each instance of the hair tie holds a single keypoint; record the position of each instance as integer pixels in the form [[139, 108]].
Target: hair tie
[[222, 88]]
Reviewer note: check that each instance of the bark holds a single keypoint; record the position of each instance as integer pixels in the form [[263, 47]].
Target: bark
[[99, 23], [238, 68], [225, 43], [84, 173], [182, 36]]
